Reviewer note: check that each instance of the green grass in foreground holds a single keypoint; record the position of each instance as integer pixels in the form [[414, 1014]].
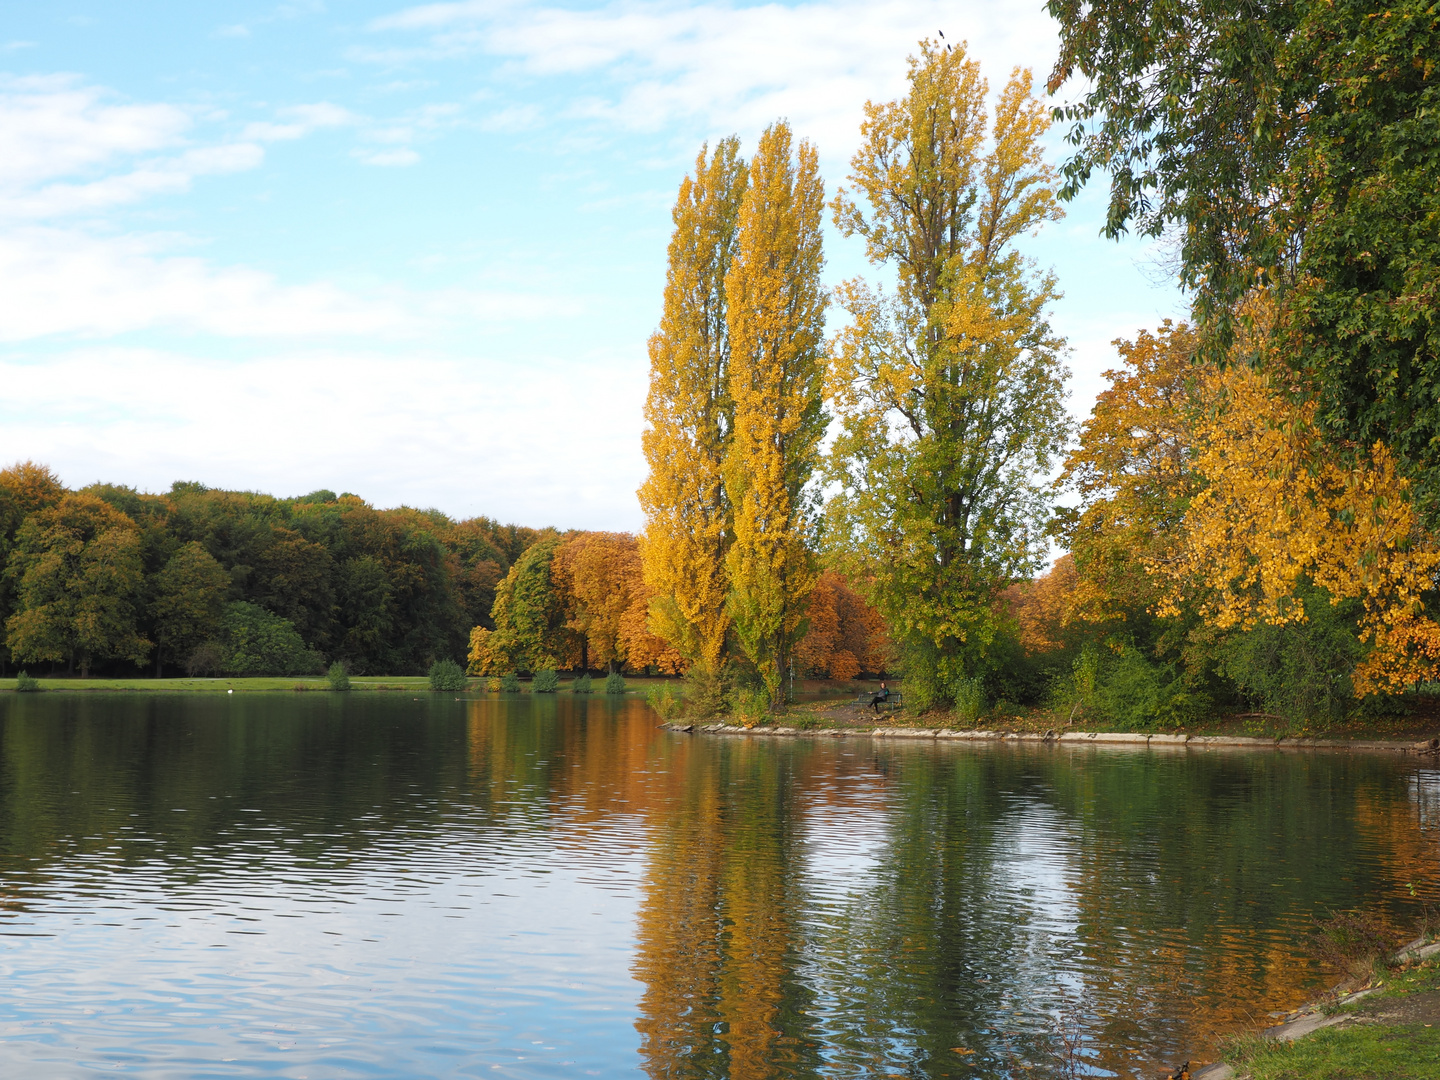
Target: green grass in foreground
[[1363, 1052], [1360, 1051]]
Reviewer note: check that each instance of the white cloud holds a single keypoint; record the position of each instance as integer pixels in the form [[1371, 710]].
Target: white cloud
[[467, 435], [237, 30], [512, 119], [166, 176], [52, 127], [66, 282], [430, 16], [297, 121], [720, 65]]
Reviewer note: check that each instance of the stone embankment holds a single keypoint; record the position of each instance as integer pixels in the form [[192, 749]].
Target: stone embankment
[[1067, 738]]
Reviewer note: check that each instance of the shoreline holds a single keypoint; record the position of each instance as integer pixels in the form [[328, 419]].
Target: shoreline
[[1323, 1012], [1068, 738]]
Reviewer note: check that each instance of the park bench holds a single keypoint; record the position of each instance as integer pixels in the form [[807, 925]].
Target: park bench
[[894, 703]]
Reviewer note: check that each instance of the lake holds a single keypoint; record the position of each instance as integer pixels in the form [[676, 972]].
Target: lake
[[390, 885]]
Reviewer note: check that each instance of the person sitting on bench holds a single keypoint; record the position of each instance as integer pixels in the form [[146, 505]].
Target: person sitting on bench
[[877, 698]]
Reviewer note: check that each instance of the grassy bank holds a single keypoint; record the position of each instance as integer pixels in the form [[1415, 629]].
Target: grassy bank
[[1392, 1032]]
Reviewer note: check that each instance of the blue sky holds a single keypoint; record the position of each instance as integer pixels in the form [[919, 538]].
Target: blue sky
[[415, 252]]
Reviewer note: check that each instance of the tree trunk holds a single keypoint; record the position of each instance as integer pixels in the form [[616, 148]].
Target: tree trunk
[[158, 674]]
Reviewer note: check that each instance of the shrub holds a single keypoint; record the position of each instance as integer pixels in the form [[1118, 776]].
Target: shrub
[[1350, 941], [207, 658], [495, 684], [447, 675], [750, 706], [1301, 670], [969, 699], [25, 683], [338, 676], [614, 683], [582, 685], [707, 693], [546, 681], [510, 683], [665, 699]]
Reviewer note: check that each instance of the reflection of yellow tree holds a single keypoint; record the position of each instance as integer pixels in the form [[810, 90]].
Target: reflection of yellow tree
[[717, 941], [679, 953]]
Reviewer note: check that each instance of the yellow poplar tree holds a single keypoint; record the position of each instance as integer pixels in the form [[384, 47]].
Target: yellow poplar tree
[[690, 417], [776, 322]]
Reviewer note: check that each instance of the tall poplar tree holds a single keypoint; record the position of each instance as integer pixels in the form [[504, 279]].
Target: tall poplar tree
[[688, 516], [949, 390], [777, 323]]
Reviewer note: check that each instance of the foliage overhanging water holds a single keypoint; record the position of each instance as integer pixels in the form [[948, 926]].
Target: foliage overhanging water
[[389, 885]]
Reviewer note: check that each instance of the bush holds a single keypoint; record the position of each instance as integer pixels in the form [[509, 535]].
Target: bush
[[338, 676], [1350, 941], [969, 699], [1300, 671], [707, 693], [207, 658], [510, 683], [614, 683], [582, 685], [751, 706], [447, 675], [25, 683], [665, 699], [546, 681]]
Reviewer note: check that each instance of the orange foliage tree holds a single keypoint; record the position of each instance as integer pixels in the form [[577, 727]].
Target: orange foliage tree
[[1042, 608], [1211, 488], [1280, 507], [602, 578], [1132, 472], [846, 635]]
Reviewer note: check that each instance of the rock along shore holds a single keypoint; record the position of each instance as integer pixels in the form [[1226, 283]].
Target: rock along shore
[[1068, 738]]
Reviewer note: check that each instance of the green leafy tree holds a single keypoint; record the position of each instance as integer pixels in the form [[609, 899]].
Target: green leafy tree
[[1290, 145], [188, 600], [79, 577], [950, 390], [531, 614], [295, 578], [259, 642]]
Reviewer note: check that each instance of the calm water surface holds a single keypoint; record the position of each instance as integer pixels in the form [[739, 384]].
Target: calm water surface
[[378, 885]]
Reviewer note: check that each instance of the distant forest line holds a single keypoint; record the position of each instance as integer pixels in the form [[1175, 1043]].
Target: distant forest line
[[107, 580]]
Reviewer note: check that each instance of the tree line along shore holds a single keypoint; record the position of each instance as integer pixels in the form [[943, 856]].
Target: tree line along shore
[[1249, 514]]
